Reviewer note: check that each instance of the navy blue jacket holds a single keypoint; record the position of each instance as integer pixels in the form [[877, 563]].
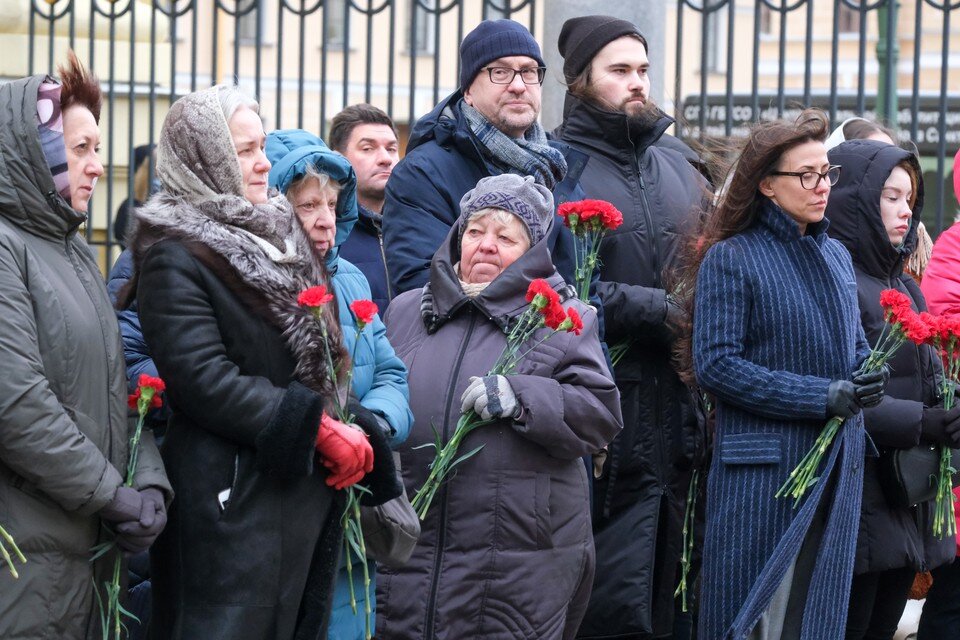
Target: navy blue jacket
[[135, 351], [444, 160], [364, 249], [776, 319]]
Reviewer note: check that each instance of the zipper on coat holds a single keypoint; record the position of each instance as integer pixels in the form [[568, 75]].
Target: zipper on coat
[[386, 272], [428, 632], [652, 232]]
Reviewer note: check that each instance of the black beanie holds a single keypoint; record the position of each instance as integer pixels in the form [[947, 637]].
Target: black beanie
[[581, 39], [491, 40]]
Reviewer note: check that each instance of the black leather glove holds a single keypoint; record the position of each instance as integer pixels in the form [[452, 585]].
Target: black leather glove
[[842, 399], [126, 505], [941, 426], [137, 535], [870, 386]]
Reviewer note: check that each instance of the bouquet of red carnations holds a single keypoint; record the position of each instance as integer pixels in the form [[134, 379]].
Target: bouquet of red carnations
[[944, 336], [589, 221], [544, 310], [901, 323]]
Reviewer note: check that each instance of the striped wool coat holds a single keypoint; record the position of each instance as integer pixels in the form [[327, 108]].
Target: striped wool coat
[[776, 319]]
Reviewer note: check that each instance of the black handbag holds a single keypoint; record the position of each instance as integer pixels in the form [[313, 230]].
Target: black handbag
[[909, 476]]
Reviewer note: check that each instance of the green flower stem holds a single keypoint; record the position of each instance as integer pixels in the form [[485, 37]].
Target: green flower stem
[[7, 539], [944, 518], [687, 555], [113, 617], [804, 475]]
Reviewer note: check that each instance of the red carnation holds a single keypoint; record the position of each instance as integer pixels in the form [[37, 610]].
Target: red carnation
[[554, 315], [363, 311], [570, 214], [610, 216], [314, 297], [542, 288], [895, 303], [918, 328], [133, 399], [576, 323], [156, 384]]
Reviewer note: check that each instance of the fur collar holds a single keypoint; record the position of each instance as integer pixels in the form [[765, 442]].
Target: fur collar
[[260, 269]]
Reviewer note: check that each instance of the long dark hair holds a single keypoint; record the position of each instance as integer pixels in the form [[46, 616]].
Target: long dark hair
[[739, 203]]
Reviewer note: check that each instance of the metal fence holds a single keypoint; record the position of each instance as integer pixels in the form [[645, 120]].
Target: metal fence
[[734, 62]]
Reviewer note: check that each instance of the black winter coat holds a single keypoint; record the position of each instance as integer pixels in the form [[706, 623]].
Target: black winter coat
[[258, 563], [640, 500], [890, 537]]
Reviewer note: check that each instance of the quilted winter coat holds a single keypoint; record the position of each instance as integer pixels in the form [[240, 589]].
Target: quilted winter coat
[[506, 550]]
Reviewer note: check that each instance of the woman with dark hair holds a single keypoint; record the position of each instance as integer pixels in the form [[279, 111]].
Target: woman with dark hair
[[251, 548], [63, 414], [777, 341], [874, 210]]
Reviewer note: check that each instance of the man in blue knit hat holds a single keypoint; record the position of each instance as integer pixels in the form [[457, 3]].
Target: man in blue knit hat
[[487, 127]]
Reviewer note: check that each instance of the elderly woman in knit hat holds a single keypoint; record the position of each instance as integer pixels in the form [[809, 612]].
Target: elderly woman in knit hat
[[506, 549], [252, 541]]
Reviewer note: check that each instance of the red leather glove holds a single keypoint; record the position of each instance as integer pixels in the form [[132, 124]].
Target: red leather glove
[[346, 452]]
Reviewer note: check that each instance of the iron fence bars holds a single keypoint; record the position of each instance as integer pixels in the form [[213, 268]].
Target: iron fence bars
[[734, 62], [843, 56]]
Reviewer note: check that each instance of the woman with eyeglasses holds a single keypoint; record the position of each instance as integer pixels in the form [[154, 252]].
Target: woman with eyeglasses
[[874, 211], [777, 342]]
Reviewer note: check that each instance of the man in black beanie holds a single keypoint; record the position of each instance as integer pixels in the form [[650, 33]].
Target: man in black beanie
[[639, 501], [487, 127]]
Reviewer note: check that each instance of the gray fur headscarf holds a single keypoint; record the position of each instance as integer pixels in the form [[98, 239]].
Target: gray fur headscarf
[[202, 201]]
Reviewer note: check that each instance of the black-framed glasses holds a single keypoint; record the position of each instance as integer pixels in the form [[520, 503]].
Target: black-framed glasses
[[810, 180], [505, 75]]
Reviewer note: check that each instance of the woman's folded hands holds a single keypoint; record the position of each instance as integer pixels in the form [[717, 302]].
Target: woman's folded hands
[[345, 452]]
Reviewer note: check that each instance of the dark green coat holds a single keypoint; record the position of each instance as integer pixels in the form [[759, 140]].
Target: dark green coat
[[63, 418]]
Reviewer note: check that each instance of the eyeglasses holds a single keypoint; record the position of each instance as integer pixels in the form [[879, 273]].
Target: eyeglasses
[[505, 75], [810, 180]]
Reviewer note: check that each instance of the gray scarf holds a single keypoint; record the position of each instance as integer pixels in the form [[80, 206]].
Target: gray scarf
[[531, 155], [202, 201]]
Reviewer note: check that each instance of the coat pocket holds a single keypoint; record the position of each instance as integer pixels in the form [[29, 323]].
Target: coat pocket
[[523, 511], [751, 448]]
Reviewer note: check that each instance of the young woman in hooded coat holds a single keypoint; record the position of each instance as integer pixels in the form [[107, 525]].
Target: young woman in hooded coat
[[874, 210]]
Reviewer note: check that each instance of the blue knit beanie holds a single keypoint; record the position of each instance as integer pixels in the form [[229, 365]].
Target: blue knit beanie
[[493, 39]]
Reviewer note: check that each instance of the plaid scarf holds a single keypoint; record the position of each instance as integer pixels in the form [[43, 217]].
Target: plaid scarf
[[530, 155]]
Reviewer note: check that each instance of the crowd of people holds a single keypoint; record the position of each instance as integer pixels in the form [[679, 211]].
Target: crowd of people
[[727, 319]]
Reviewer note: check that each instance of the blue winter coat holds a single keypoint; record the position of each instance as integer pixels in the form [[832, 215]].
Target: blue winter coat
[[379, 376], [776, 319], [444, 160], [364, 248]]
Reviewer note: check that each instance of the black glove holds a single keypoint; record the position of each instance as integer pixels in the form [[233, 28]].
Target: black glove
[[842, 399], [870, 385], [383, 482], [941, 426], [137, 535], [126, 505]]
